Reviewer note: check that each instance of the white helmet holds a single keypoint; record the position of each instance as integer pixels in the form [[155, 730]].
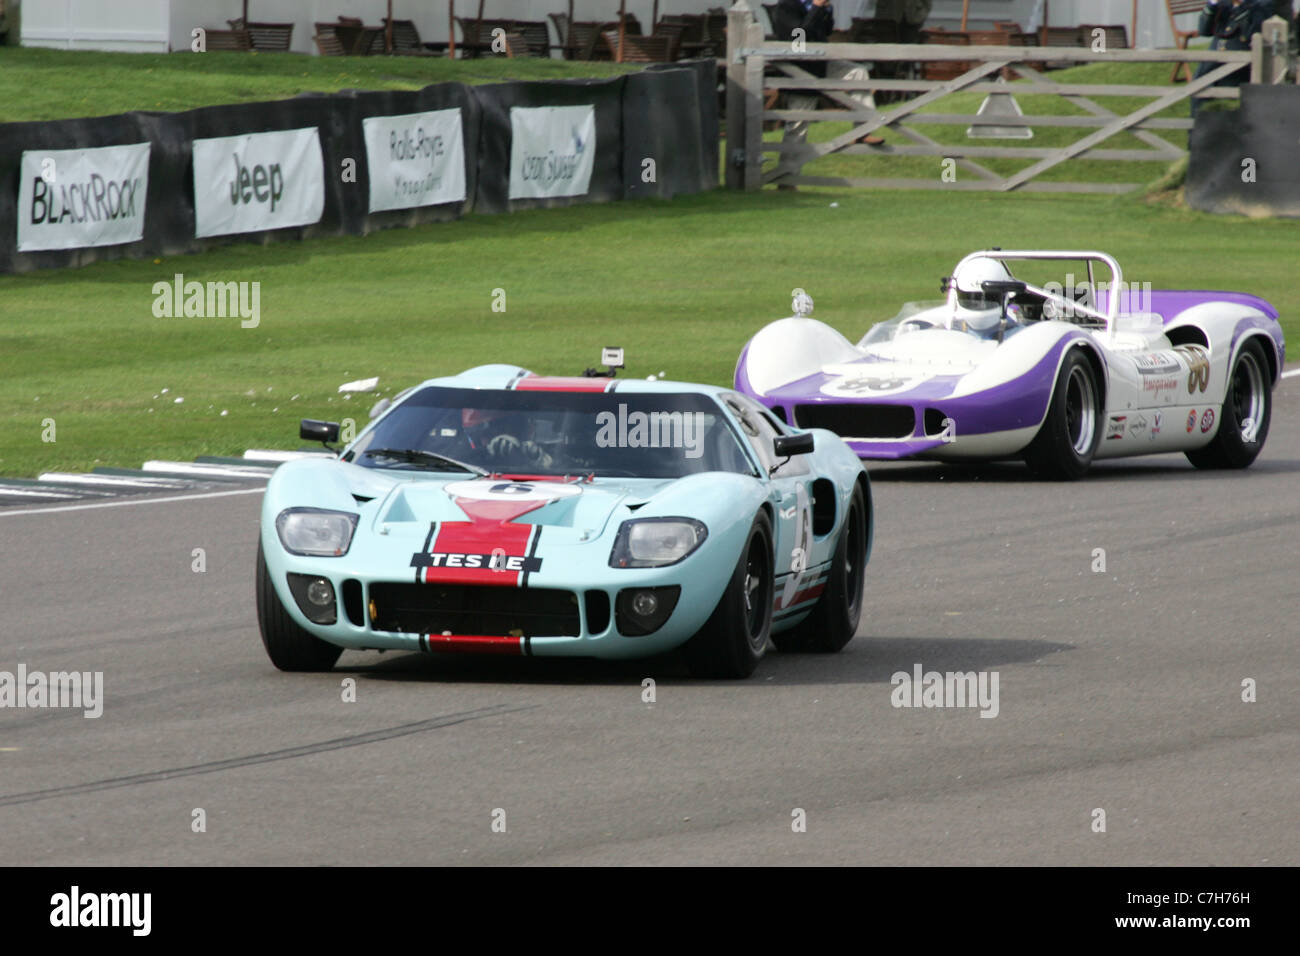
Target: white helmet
[[976, 309]]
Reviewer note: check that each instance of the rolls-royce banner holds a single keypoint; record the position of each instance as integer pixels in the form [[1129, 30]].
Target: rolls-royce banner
[[553, 149], [70, 198], [415, 159], [258, 181]]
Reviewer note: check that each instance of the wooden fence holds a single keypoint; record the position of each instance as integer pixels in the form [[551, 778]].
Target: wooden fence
[[756, 66]]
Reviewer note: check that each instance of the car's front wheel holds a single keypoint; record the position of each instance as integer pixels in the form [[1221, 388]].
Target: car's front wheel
[[1247, 408], [288, 645], [736, 634], [1063, 448]]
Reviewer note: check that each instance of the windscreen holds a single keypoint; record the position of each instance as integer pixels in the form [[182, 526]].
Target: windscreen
[[650, 435]]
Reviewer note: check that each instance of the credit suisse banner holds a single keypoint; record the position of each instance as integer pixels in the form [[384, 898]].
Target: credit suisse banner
[[552, 152], [415, 159], [258, 181], [70, 198]]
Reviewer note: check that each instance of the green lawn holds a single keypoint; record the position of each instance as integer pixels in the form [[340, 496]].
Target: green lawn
[[60, 84], [680, 285]]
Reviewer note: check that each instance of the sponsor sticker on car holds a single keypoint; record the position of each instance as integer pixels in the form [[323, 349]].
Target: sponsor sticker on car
[[1207, 420], [1115, 429]]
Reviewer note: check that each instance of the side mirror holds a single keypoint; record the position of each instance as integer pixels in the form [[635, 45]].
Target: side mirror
[[786, 446], [312, 430]]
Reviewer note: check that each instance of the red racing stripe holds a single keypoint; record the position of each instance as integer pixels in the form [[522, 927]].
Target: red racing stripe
[[574, 383], [476, 643]]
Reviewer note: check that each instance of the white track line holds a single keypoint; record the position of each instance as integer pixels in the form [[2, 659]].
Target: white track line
[[27, 491], [199, 470], [115, 481], [7, 512], [1294, 371], [260, 454]]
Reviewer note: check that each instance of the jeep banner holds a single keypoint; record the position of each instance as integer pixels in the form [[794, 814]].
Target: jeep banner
[[553, 149], [415, 159], [70, 198], [258, 181]]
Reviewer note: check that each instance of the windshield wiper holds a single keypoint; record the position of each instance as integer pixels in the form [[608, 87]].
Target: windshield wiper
[[415, 455]]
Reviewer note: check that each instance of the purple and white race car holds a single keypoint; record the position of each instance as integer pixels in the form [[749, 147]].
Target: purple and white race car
[[1058, 373]]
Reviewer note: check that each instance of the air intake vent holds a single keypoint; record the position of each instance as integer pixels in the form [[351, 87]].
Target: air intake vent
[[859, 421]]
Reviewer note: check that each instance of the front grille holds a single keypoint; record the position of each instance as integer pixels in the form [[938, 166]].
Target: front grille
[[474, 609], [859, 421]]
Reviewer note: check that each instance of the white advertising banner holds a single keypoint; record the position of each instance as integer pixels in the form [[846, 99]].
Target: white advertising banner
[[415, 159], [552, 152], [258, 181], [70, 198]]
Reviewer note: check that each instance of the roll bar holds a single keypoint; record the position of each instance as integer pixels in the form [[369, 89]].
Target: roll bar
[[1088, 256]]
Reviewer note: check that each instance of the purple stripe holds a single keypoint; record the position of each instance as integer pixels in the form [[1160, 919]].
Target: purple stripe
[[1167, 303]]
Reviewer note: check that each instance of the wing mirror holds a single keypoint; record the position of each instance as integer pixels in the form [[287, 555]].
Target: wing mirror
[[323, 432], [786, 446]]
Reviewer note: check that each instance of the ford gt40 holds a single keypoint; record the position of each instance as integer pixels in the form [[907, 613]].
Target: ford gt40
[[502, 512]]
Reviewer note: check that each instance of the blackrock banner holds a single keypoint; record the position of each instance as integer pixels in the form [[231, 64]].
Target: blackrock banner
[[553, 149], [71, 198], [258, 181], [415, 159]]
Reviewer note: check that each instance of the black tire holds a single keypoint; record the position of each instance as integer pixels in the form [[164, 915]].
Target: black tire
[[736, 633], [288, 645], [1063, 448], [834, 619], [1249, 396]]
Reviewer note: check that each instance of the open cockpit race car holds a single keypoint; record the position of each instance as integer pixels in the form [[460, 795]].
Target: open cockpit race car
[[1056, 372], [502, 512]]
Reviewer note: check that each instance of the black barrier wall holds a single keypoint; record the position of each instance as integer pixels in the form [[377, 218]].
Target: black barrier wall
[[668, 115], [1247, 160]]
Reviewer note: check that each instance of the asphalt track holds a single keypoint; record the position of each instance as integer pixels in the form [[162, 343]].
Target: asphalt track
[[1118, 691]]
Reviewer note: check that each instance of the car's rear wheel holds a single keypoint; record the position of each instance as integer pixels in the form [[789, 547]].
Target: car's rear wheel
[[834, 619], [1244, 419], [736, 633], [288, 645], [1065, 444]]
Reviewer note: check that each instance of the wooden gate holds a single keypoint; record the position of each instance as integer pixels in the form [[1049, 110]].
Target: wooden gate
[[756, 66]]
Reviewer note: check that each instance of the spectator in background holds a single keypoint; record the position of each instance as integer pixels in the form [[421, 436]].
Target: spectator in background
[[1231, 23], [910, 15], [816, 18]]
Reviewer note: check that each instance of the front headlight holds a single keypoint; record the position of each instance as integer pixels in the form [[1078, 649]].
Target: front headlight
[[655, 542], [312, 531]]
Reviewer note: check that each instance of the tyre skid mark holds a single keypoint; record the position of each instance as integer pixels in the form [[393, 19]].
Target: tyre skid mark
[[232, 763]]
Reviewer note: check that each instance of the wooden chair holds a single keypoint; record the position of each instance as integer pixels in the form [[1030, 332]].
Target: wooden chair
[[945, 69], [517, 45], [228, 40], [641, 49], [270, 37], [1178, 8], [406, 38], [587, 40], [327, 41]]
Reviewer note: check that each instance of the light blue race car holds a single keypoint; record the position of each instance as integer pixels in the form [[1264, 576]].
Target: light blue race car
[[498, 511]]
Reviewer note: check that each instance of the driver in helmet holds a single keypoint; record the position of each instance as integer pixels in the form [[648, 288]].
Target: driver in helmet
[[503, 436], [975, 310]]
